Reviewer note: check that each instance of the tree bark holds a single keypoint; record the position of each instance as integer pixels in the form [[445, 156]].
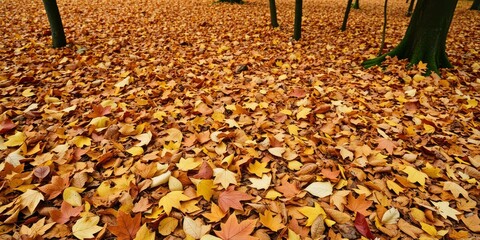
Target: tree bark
[[356, 4], [475, 5], [410, 8], [345, 18], [297, 29], [382, 45], [56, 26], [425, 37], [273, 14]]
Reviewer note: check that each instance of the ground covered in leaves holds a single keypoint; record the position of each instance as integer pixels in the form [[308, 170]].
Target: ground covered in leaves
[[192, 120]]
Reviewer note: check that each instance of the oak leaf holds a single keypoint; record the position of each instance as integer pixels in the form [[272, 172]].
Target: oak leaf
[[127, 227], [232, 230]]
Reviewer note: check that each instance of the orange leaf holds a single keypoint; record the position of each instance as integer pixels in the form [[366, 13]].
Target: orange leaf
[[56, 187], [359, 204], [232, 230], [127, 227], [231, 199], [386, 144], [289, 190], [66, 211]]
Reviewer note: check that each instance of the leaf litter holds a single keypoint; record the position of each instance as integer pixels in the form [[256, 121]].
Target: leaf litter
[[144, 127]]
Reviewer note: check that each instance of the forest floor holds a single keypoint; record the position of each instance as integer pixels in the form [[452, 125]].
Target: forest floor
[[193, 120]]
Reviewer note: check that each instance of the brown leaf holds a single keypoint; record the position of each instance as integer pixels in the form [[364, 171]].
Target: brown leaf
[[6, 125], [205, 171], [232, 230], [127, 227]]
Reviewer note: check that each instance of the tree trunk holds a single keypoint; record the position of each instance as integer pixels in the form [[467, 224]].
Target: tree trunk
[[273, 13], [345, 18], [475, 5], [297, 30], [382, 45], [426, 35], [56, 26], [410, 8], [356, 4]]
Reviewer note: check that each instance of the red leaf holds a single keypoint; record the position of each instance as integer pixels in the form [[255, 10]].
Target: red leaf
[[205, 172], [362, 226], [6, 125], [231, 199], [127, 227]]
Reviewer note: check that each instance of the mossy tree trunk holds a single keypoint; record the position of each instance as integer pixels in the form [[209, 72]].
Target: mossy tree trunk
[[356, 4], [273, 14], [410, 8], [56, 26], [345, 17], [426, 35], [297, 28], [475, 5]]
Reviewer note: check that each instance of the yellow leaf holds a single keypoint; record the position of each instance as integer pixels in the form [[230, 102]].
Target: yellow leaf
[[174, 135], [144, 139], [188, 164], [431, 230], [81, 141], [414, 175], [28, 93], [293, 130], [227, 160], [30, 199], [167, 226], [271, 222], [174, 184], [216, 214], [272, 194], [144, 233], [456, 189], [293, 235], [72, 196], [258, 168], [472, 103], [205, 189], [294, 165], [428, 129], [286, 112], [86, 226], [218, 116], [99, 122], [15, 140], [172, 200], [262, 183], [303, 113], [432, 171], [329, 222], [159, 115], [124, 82], [394, 187], [312, 213], [135, 151], [224, 177]]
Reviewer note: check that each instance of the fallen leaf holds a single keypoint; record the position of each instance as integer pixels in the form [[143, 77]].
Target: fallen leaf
[[86, 226], [127, 227], [232, 230], [231, 199]]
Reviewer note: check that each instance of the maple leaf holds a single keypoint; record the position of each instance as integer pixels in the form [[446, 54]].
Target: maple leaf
[[224, 176], [312, 213], [289, 190], [232, 230], [188, 164], [271, 222], [387, 144], [414, 175], [261, 183], [258, 168], [216, 213], [86, 226], [30, 199], [195, 228], [359, 205], [172, 200], [127, 227], [37, 229], [231, 199], [445, 210], [65, 213], [15, 140], [99, 111]]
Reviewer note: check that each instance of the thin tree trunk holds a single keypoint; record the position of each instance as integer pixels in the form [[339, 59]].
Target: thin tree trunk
[[426, 35], [345, 18], [410, 8], [356, 4], [56, 26], [273, 13], [297, 30], [475, 5], [382, 45]]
